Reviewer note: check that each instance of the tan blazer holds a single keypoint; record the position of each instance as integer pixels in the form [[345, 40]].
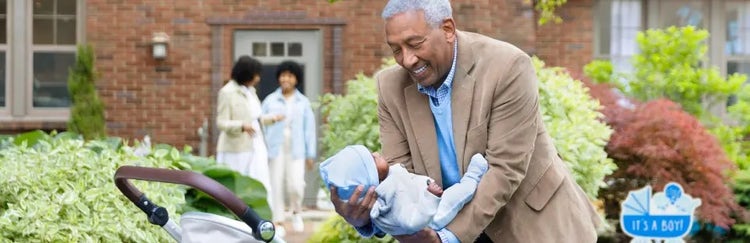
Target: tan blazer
[[528, 194], [232, 111]]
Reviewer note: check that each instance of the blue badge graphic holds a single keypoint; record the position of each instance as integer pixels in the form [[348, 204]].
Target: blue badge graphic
[[667, 215]]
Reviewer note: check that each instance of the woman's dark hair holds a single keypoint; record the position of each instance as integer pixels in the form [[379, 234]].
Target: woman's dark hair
[[245, 69], [292, 67]]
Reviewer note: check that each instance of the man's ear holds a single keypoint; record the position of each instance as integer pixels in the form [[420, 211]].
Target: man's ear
[[448, 26]]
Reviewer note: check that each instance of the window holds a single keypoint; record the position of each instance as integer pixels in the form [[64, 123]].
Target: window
[[682, 13], [3, 51], [41, 44], [54, 40], [277, 49], [737, 43], [618, 23]]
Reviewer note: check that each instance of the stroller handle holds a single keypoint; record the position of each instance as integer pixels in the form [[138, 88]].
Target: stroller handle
[[262, 229]]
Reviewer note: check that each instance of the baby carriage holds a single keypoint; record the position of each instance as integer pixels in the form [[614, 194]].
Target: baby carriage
[[196, 226]]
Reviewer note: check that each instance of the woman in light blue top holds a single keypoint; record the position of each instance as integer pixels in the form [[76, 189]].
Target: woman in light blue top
[[291, 141]]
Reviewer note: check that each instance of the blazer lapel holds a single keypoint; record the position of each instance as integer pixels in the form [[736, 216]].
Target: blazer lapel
[[461, 99], [423, 125]]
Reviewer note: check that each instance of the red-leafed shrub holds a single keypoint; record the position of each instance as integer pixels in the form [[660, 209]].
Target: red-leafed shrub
[[615, 106], [657, 143]]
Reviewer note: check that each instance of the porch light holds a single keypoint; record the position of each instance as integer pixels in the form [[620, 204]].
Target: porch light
[[159, 43]]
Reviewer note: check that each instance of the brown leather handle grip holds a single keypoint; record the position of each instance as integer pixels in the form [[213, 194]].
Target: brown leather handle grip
[[188, 178], [262, 229]]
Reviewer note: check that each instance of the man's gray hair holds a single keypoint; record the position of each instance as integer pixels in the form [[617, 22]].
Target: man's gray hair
[[435, 11]]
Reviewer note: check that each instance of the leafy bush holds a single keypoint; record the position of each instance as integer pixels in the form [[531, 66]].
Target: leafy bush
[[87, 112], [104, 215], [351, 118], [336, 229], [571, 116], [741, 188], [59, 189], [669, 66], [671, 146]]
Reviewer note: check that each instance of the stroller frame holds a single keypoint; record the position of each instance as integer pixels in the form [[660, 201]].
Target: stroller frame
[[262, 230]]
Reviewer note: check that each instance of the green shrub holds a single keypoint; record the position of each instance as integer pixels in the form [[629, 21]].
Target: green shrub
[[60, 189], [741, 188], [351, 118], [572, 119], [336, 229], [669, 66], [87, 112]]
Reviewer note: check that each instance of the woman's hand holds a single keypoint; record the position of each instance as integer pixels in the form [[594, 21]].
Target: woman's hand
[[247, 128], [356, 214], [309, 164]]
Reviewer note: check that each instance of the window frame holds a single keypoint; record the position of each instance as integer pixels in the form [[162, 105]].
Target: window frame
[[5, 109], [20, 50], [598, 53]]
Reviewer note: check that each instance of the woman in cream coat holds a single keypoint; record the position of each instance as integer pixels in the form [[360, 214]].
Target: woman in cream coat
[[241, 145]]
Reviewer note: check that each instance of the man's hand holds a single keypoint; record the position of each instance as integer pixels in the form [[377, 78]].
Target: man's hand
[[356, 214], [424, 235]]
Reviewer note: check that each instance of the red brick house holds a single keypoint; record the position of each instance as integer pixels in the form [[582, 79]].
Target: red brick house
[[171, 98]]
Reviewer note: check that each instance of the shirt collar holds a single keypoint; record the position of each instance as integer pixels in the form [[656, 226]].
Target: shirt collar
[[449, 79]]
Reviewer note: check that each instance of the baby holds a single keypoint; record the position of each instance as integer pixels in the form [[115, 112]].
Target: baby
[[406, 202]]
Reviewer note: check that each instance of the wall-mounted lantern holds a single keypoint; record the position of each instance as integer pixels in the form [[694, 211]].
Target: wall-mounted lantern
[[159, 43]]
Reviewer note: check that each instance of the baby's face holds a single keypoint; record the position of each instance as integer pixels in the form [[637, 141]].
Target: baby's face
[[381, 165]]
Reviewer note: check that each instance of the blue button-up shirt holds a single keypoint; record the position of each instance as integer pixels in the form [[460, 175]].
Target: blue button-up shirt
[[440, 104]]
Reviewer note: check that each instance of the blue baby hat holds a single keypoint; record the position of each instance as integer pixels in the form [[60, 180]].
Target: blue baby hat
[[349, 168]]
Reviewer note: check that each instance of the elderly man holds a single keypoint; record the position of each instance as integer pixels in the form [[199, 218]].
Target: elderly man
[[455, 94]]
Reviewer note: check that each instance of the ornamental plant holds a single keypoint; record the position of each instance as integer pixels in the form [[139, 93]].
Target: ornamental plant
[[351, 118], [59, 188], [659, 143], [87, 111], [572, 118], [669, 66]]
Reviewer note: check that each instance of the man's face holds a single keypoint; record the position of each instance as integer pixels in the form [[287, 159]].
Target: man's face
[[426, 52]]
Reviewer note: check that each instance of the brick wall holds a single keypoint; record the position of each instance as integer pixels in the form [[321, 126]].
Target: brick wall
[[570, 43], [169, 99]]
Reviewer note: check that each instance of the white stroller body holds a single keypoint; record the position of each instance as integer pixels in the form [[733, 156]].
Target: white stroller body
[[206, 227]]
